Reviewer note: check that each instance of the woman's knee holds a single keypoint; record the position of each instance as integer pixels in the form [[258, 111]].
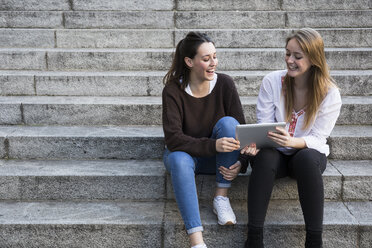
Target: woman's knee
[[309, 160], [180, 162], [267, 159], [227, 126]]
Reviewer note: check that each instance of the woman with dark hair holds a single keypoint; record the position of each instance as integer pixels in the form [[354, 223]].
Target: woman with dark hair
[[201, 109], [306, 98]]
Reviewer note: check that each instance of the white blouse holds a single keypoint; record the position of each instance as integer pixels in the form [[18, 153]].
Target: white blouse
[[270, 108]]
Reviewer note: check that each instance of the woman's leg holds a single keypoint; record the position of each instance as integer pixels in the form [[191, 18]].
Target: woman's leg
[[225, 127], [267, 165], [181, 167], [307, 166]]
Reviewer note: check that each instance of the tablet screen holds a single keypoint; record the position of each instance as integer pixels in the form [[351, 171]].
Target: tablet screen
[[257, 133]]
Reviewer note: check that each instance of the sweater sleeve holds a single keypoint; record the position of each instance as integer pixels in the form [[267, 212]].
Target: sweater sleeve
[[175, 139]]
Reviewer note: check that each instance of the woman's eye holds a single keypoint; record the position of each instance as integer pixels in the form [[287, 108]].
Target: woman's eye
[[298, 57], [287, 54]]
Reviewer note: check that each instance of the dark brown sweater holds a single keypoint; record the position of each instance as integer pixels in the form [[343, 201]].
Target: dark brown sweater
[[188, 121]]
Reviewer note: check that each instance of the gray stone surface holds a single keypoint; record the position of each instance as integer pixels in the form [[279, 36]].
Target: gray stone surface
[[91, 110], [225, 5], [123, 5], [357, 83], [362, 212], [264, 38], [16, 84], [229, 59], [135, 83], [329, 19], [230, 19], [2, 147], [284, 226], [129, 19], [146, 83], [30, 19], [10, 114], [351, 142], [11, 5], [284, 189], [82, 180], [357, 182], [138, 38], [75, 142], [356, 110], [325, 5], [22, 59], [75, 224], [349, 58], [26, 38], [83, 110], [110, 60]]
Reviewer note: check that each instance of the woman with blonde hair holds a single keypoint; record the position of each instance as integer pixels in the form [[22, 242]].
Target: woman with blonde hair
[[307, 99]]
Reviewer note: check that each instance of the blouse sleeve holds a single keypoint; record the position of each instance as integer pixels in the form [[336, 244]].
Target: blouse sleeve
[[175, 139], [325, 120], [265, 103]]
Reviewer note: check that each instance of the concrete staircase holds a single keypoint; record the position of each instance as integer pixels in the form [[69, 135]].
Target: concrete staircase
[[80, 119]]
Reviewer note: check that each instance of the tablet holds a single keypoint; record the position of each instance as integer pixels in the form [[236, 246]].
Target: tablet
[[257, 133]]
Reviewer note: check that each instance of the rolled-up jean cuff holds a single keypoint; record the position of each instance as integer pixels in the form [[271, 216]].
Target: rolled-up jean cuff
[[223, 185], [195, 229]]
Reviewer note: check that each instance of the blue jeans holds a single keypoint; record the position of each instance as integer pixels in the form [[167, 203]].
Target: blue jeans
[[183, 167]]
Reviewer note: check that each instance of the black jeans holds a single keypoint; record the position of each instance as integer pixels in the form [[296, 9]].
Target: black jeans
[[306, 166]]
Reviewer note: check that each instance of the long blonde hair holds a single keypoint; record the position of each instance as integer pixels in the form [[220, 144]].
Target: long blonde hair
[[319, 80]]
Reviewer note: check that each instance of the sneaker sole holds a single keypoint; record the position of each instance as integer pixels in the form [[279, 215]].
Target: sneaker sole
[[229, 223]]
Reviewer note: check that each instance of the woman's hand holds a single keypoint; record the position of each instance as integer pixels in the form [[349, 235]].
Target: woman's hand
[[250, 150], [281, 137], [232, 172], [227, 144]]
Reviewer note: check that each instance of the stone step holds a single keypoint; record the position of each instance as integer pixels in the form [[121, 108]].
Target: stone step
[[158, 224], [272, 5], [343, 180], [265, 38], [81, 224], [344, 224], [140, 83], [160, 59], [77, 142], [82, 179], [28, 180], [57, 110], [137, 142], [186, 19], [11, 5], [166, 38], [31, 19], [273, 19]]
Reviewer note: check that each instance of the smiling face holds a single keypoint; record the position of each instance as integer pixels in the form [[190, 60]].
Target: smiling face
[[298, 63], [203, 65]]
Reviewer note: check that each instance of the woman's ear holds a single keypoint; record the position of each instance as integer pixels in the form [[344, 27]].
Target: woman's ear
[[188, 62]]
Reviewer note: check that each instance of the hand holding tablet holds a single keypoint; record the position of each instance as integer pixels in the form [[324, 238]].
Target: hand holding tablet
[[258, 134]]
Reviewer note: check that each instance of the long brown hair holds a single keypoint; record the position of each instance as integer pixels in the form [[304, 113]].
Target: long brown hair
[[319, 80], [187, 47]]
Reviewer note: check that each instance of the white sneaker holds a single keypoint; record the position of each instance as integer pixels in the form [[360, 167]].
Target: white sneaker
[[223, 210], [200, 246]]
